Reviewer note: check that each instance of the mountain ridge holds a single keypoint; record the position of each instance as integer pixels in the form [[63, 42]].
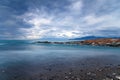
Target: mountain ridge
[[93, 37]]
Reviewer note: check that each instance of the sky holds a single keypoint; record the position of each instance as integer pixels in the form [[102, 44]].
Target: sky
[[37, 19]]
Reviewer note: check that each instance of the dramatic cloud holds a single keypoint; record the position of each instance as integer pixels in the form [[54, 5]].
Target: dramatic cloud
[[59, 18]]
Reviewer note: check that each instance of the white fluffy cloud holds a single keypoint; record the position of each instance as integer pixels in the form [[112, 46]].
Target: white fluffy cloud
[[69, 23]]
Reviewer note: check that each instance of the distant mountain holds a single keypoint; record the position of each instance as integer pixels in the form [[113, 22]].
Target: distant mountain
[[92, 37]]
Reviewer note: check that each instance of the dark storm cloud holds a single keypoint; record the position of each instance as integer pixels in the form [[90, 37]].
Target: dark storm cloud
[[9, 20], [29, 19]]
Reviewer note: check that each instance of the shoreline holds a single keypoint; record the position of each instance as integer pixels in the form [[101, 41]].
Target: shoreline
[[94, 68], [111, 42]]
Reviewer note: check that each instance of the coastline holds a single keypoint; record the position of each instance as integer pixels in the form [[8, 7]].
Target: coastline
[[59, 62], [111, 42], [94, 68]]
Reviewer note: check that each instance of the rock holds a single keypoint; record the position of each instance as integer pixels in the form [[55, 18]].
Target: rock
[[42, 42], [66, 77], [89, 73], [3, 71], [69, 73], [107, 79], [96, 42], [114, 74], [118, 77], [77, 78]]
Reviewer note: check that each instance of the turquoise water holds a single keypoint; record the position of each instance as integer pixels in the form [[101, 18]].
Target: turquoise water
[[22, 54], [16, 50]]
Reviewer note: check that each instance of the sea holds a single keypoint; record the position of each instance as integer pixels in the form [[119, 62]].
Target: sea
[[24, 57]]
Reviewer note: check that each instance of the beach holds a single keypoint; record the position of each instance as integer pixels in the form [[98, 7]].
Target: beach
[[59, 62], [98, 68]]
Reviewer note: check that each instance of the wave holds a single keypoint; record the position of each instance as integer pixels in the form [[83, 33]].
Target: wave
[[1, 44]]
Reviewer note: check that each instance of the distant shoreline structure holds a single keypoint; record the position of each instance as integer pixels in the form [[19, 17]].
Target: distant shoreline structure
[[111, 42]]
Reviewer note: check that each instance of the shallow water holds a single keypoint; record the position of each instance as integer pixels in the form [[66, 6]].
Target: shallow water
[[25, 57]]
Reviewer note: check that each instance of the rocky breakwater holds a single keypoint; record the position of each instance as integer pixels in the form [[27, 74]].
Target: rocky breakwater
[[70, 42], [103, 42], [95, 42]]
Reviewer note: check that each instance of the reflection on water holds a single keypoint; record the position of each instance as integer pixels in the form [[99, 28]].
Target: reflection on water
[[24, 58]]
